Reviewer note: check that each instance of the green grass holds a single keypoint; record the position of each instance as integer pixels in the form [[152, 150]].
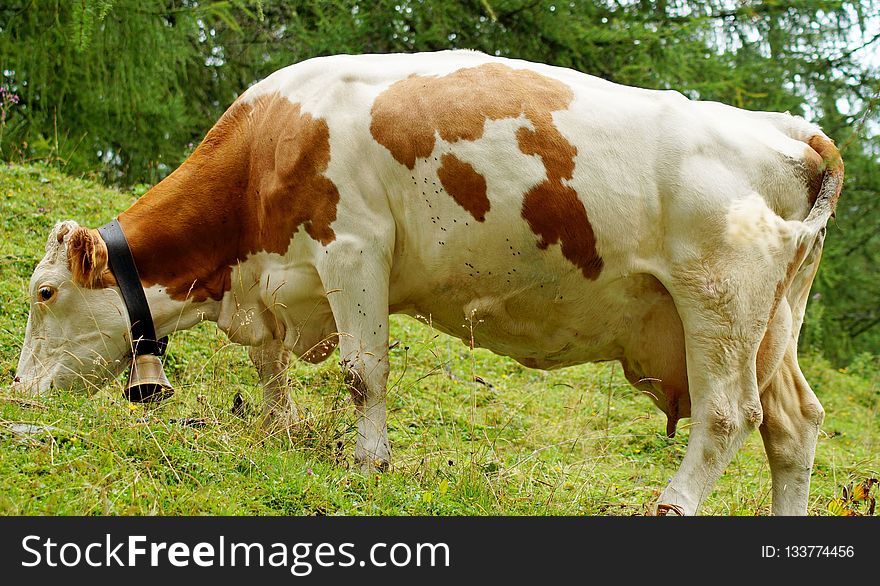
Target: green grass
[[579, 441]]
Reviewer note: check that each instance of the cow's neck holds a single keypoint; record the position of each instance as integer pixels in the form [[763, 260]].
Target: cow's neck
[[184, 232], [171, 315], [257, 178], [157, 228]]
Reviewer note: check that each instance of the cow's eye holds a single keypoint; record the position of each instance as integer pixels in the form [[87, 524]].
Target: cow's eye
[[46, 293]]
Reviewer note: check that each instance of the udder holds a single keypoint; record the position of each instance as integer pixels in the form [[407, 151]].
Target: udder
[[654, 354], [655, 362]]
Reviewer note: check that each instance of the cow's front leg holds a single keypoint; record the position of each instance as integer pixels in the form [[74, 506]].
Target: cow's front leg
[[272, 360], [357, 285], [366, 373]]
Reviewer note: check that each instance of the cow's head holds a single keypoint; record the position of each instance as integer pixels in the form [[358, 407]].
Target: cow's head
[[77, 330]]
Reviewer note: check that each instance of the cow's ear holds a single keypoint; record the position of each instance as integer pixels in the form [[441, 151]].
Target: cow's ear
[[87, 258]]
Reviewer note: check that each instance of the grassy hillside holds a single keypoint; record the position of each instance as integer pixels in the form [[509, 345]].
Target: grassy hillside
[[572, 442]]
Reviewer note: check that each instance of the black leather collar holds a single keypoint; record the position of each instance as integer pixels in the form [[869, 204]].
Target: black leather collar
[[143, 332]]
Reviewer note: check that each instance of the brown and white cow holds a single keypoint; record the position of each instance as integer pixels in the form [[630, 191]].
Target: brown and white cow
[[576, 219]]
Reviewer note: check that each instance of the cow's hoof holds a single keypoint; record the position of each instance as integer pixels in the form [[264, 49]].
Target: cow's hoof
[[664, 510], [372, 456], [280, 422], [368, 466]]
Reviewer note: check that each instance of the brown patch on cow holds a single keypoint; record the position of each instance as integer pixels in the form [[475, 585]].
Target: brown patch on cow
[[87, 259], [408, 116], [827, 151], [552, 208], [253, 181], [63, 229], [465, 185]]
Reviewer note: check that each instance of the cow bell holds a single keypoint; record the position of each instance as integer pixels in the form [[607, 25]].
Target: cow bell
[[147, 382]]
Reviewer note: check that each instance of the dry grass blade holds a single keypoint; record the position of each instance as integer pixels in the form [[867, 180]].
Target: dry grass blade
[[30, 403]]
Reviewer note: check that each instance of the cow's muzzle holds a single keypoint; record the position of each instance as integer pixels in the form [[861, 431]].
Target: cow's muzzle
[[147, 382]]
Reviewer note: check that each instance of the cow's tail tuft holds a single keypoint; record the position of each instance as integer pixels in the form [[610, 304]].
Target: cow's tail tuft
[[832, 179]]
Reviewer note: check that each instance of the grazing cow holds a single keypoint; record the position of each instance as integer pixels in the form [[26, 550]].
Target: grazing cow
[[576, 219]]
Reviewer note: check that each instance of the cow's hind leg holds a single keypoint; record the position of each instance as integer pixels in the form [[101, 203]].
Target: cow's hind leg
[[792, 413], [725, 408], [724, 310], [272, 360], [792, 417], [727, 295]]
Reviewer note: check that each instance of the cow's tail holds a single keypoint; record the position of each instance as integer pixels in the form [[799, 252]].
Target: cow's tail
[[822, 160], [823, 171], [831, 169]]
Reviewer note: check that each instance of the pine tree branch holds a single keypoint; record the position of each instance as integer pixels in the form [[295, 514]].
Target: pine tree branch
[[843, 57], [864, 328]]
